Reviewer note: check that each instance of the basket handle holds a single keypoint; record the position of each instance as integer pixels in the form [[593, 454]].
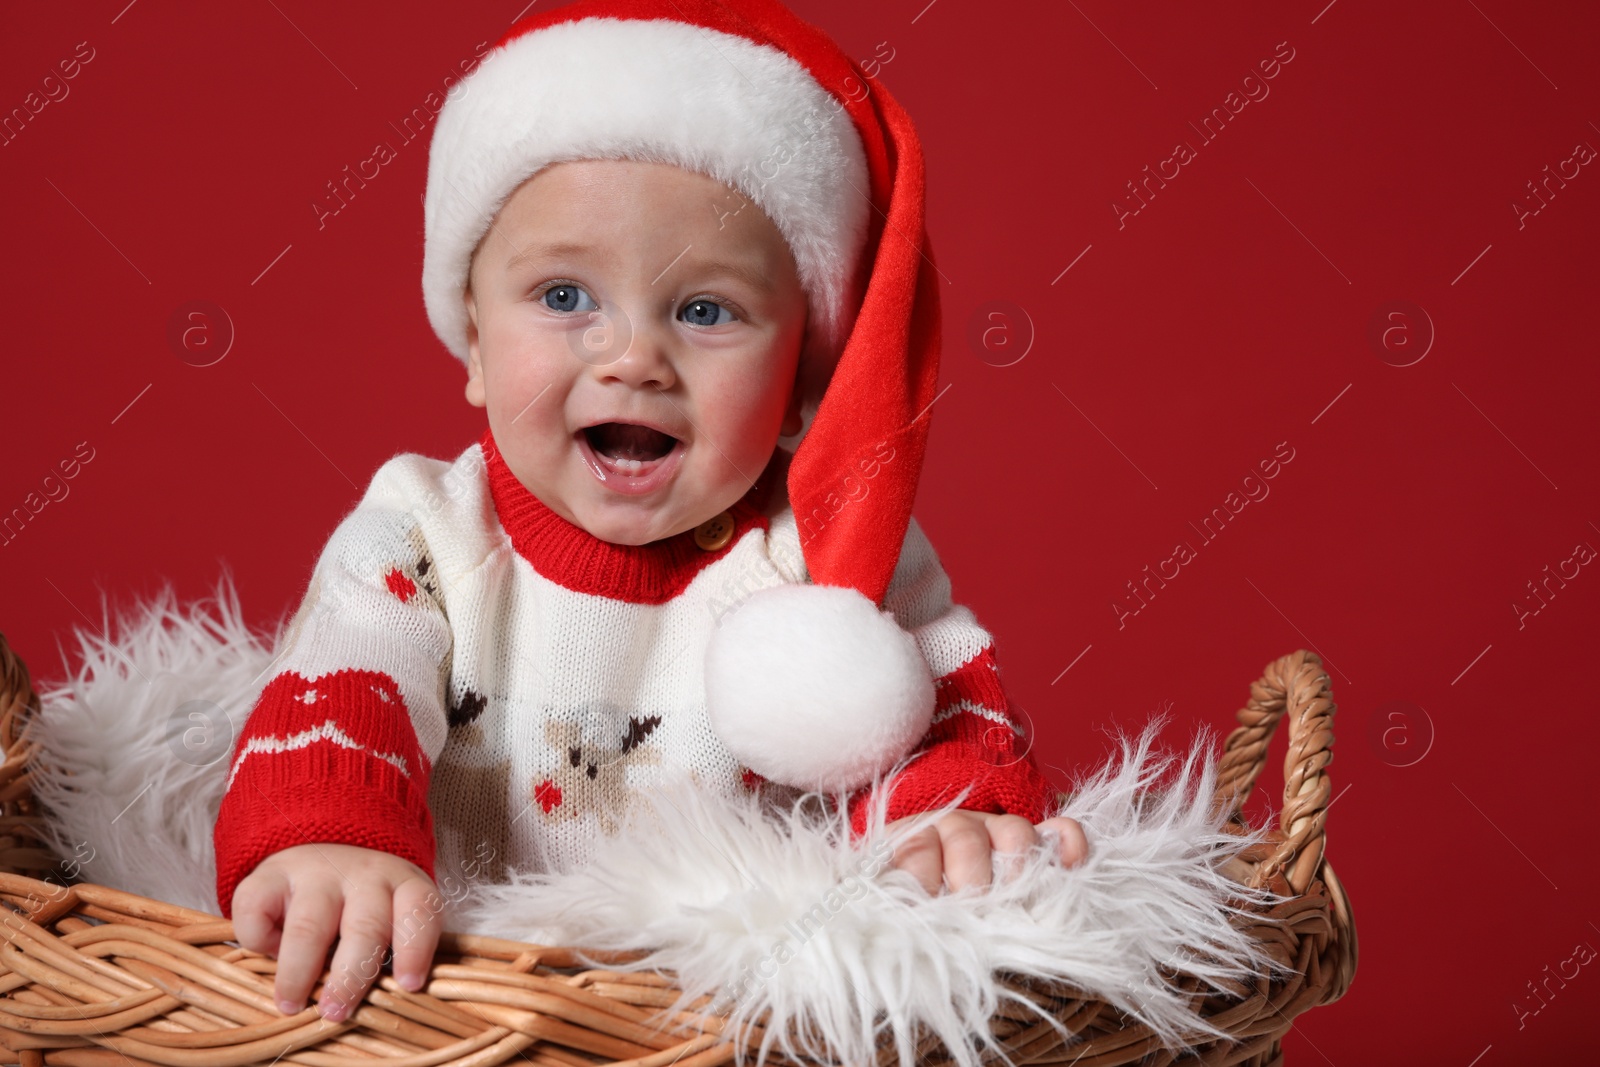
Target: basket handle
[[1298, 685]]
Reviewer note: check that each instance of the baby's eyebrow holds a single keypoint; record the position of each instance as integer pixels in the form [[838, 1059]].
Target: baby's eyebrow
[[554, 250], [751, 276]]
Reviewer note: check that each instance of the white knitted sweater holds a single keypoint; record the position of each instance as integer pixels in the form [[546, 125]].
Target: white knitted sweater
[[476, 684]]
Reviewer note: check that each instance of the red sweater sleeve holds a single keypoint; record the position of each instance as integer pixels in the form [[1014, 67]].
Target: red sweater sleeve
[[326, 759], [975, 738], [339, 746]]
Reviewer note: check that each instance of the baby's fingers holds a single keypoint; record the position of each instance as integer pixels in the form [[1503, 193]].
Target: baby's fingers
[[258, 906], [364, 931], [1072, 845], [308, 929], [1010, 835], [416, 931], [922, 856]]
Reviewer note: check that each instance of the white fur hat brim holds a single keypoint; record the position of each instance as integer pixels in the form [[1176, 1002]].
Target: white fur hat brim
[[657, 90]]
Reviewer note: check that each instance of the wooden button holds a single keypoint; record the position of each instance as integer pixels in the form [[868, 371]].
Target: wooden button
[[715, 531]]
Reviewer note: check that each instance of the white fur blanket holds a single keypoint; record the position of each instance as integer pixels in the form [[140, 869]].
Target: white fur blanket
[[776, 913]]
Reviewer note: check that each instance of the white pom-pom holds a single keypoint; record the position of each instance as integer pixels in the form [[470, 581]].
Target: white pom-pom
[[812, 686]]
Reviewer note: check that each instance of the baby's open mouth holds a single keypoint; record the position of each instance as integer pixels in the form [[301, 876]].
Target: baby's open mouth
[[626, 444], [630, 458]]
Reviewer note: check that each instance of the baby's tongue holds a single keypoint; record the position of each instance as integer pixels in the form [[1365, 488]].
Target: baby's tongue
[[623, 441]]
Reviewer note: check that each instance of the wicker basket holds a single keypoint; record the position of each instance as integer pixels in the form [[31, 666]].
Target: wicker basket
[[91, 975]]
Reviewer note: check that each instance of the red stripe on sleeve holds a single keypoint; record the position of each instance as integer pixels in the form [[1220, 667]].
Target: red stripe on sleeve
[[326, 759]]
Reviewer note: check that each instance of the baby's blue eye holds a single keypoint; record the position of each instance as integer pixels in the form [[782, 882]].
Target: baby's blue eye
[[698, 310], [567, 298]]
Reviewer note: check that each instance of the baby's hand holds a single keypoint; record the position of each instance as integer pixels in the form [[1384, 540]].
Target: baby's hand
[[958, 847], [295, 900]]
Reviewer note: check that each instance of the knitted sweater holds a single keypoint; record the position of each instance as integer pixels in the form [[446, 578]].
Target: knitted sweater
[[475, 684]]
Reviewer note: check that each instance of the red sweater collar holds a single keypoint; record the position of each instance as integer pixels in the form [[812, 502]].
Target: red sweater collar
[[572, 557]]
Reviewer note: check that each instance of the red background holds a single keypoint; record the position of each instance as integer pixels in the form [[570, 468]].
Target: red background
[[1229, 314]]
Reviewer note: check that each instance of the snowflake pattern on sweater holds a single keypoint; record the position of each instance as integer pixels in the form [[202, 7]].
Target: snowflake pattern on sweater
[[476, 684]]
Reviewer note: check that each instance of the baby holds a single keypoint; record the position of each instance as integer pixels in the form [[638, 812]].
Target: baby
[[646, 240]]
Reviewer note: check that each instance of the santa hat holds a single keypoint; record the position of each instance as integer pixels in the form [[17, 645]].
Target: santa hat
[[748, 93]]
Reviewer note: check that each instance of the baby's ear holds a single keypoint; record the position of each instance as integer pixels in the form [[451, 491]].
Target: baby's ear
[[474, 390], [792, 421]]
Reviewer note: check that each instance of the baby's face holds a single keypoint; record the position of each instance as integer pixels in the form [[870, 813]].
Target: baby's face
[[655, 414]]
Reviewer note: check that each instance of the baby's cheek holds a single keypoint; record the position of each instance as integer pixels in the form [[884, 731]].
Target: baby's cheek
[[746, 424]]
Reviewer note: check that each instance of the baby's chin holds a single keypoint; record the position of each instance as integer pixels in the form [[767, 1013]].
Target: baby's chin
[[637, 524]]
